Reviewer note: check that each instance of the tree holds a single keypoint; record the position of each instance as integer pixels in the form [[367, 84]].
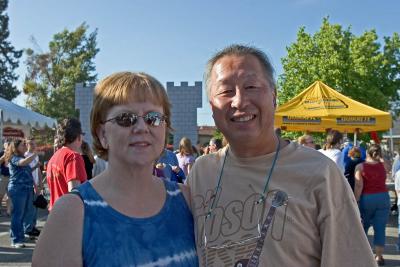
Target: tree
[[356, 66], [8, 57], [51, 78]]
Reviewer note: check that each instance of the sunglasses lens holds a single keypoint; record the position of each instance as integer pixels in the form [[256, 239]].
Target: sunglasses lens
[[126, 120], [153, 118]]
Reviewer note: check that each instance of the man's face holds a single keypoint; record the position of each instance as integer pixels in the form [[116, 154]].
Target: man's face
[[242, 101]]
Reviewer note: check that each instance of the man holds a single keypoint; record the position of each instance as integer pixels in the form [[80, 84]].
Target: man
[[66, 168], [30, 223], [306, 140], [231, 190]]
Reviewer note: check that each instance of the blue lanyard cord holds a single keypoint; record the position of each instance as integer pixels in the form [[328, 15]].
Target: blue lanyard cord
[[272, 169], [219, 184], [218, 187]]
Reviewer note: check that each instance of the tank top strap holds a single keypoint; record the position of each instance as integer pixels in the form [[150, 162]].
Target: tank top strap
[[170, 185], [89, 195], [175, 195]]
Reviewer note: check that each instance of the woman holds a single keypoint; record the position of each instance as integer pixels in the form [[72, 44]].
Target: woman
[[349, 168], [4, 179], [185, 155], [88, 158], [20, 190], [125, 211], [332, 148], [371, 192]]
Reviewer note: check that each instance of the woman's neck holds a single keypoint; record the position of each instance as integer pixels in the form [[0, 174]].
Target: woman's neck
[[372, 160]]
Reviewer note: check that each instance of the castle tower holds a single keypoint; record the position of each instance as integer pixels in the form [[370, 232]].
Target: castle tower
[[185, 100]]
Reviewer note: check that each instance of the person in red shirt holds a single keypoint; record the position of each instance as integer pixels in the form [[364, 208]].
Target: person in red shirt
[[66, 168]]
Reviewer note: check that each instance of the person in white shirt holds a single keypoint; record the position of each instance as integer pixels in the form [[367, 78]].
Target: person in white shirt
[[31, 229], [331, 148]]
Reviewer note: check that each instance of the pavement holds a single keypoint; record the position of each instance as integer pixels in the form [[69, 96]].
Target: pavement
[[12, 256], [22, 257]]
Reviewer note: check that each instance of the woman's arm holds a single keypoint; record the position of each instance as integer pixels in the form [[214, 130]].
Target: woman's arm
[[3, 158], [27, 160], [60, 242], [359, 184]]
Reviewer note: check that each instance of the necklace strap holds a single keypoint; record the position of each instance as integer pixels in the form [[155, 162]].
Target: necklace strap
[[214, 196], [262, 198], [218, 187]]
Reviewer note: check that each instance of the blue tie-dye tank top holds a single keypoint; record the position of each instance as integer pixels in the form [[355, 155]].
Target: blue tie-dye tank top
[[113, 239]]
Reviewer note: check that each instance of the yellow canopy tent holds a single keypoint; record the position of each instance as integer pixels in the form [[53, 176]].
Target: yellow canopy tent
[[320, 107]]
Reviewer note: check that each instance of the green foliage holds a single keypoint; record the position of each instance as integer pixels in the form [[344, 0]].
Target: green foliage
[[356, 66], [51, 78], [8, 57], [218, 134]]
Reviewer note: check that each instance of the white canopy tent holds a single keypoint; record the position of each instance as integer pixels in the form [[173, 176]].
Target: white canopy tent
[[13, 114]]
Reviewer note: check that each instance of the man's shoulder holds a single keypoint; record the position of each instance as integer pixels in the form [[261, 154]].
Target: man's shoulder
[[307, 157], [211, 158], [65, 154]]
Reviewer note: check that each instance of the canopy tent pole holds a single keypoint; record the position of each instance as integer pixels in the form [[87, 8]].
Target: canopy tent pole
[[1, 127], [355, 138], [391, 142]]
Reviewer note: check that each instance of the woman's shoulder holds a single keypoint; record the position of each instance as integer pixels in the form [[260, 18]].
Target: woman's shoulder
[[65, 222], [15, 159]]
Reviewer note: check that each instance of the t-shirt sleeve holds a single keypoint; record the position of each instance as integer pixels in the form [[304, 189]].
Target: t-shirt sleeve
[[343, 240], [75, 169], [190, 160]]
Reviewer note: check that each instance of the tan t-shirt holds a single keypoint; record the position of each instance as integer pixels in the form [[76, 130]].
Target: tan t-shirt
[[320, 226]]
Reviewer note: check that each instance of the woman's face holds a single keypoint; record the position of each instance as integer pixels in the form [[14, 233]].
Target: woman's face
[[138, 144], [21, 148]]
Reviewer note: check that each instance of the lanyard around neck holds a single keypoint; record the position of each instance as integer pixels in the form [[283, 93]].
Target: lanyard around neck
[[268, 178]]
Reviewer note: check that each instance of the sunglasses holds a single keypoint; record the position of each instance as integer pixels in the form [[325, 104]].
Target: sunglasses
[[126, 119]]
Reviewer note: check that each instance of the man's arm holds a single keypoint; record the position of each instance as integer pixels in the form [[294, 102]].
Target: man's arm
[[3, 158]]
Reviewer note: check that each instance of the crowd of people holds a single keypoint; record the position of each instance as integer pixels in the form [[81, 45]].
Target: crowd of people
[[366, 173], [252, 198]]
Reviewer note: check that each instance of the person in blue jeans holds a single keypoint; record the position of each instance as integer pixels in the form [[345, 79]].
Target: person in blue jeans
[[19, 190], [371, 192]]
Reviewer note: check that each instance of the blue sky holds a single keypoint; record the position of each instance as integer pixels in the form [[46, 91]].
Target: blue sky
[[172, 40]]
